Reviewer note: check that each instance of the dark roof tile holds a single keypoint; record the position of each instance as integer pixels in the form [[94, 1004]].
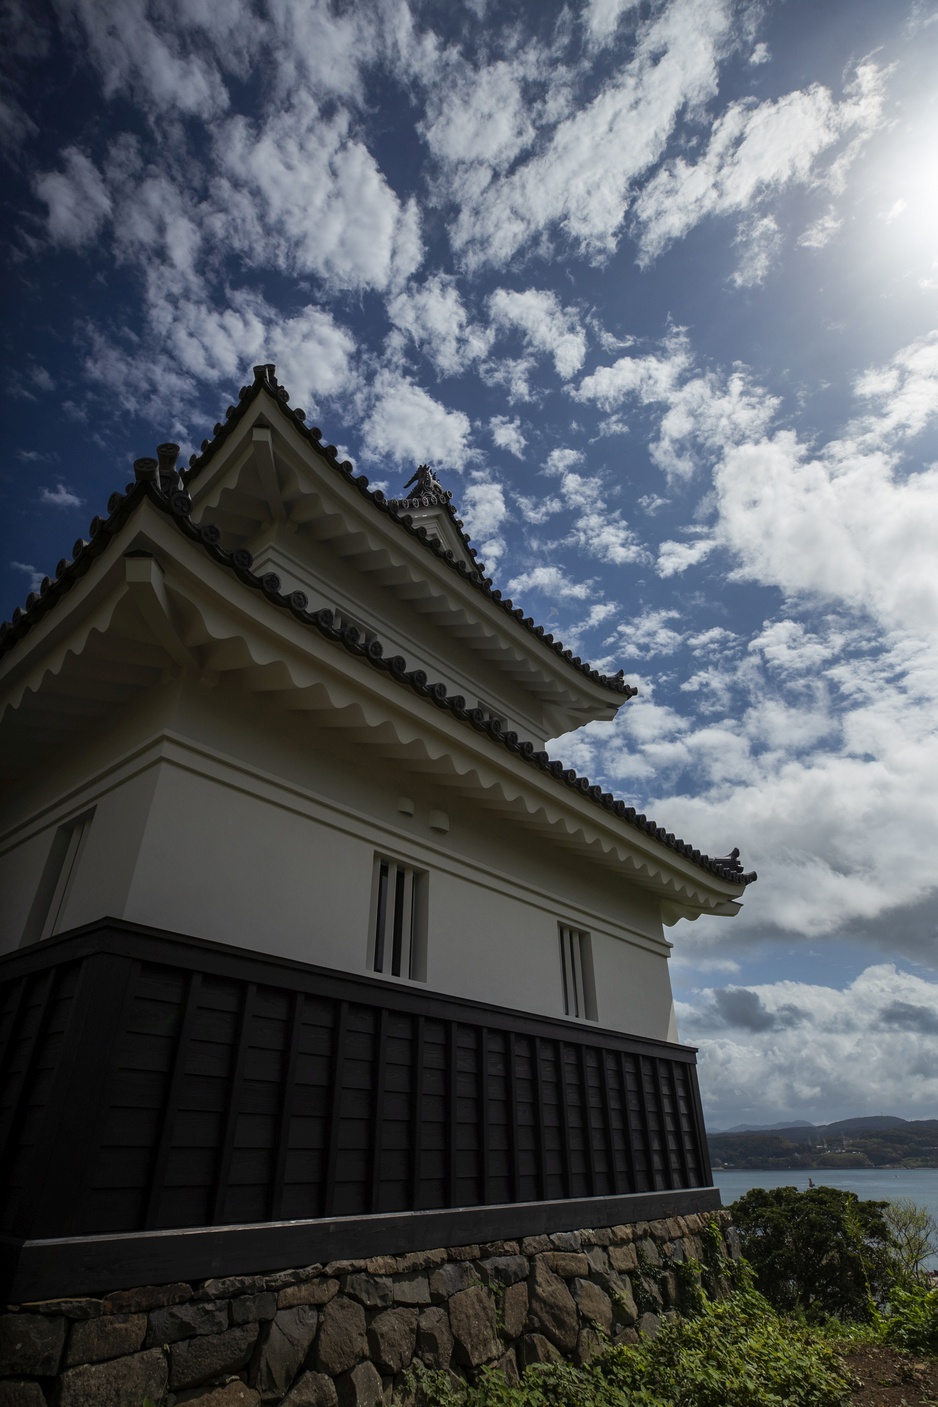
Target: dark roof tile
[[178, 506], [265, 379]]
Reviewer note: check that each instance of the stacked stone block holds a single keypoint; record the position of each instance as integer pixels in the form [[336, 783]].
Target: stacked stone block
[[345, 1334]]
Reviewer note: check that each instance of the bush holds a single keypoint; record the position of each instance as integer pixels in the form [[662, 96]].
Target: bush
[[911, 1319], [733, 1353], [914, 1236], [822, 1253]]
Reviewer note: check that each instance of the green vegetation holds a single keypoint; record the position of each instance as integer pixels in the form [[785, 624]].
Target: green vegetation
[[825, 1272], [824, 1255], [914, 1234], [819, 1253], [731, 1353], [910, 1145], [911, 1319]]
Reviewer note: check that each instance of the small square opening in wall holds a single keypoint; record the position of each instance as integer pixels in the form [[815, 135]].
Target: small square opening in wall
[[579, 982], [398, 920]]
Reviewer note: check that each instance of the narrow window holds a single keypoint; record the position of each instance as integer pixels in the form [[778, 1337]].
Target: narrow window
[[398, 929], [58, 876], [576, 966]]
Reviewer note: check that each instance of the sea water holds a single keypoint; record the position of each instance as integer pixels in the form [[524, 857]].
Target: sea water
[[919, 1185]]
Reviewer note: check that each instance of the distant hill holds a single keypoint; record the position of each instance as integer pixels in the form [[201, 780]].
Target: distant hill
[[875, 1141], [812, 1133], [767, 1128]]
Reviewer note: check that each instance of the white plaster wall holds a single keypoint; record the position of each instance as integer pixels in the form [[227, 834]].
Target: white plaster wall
[[245, 825], [105, 868], [220, 863]]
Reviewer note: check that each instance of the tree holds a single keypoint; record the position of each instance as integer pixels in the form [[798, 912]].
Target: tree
[[915, 1238], [822, 1251]]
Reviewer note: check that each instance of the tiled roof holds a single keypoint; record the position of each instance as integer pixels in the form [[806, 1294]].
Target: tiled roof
[[400, 510], [177, 504]]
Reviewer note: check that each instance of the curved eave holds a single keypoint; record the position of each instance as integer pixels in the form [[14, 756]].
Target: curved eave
[[274, 645], [601, 694]]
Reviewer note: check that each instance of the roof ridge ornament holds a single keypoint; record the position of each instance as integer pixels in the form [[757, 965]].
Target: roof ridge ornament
[[429, 493]]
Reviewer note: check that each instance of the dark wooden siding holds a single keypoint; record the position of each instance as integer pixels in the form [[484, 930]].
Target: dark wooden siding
[[169, 1083]]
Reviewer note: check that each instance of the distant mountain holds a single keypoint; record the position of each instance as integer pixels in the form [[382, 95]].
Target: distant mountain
[[800, 1132], [767, 1128], [873, 1141], [870, 1124]]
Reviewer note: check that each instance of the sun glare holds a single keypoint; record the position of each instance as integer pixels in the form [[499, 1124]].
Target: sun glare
[[905, 191]]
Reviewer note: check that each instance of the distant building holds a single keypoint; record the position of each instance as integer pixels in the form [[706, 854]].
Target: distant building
[[300, 922]]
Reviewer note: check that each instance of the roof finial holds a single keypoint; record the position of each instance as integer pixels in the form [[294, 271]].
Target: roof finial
[[168, 455], [426, 481]]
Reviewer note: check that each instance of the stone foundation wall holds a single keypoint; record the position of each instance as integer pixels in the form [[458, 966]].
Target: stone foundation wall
[[345, 1334]]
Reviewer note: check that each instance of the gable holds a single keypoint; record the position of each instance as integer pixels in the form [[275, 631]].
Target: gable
[[399, 569]]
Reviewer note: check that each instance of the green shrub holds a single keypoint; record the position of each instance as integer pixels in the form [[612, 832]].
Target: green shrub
[[822, 1253], [733, 1353], [911, 1319], [914, 1238]]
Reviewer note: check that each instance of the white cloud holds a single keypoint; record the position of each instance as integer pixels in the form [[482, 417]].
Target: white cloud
[[77, 199], [306, 187], [168, 66], [705, 413], [544, 324], [597, 529], [904, 393], [540, 509], [60, 497], [480, 116], [822, 774], [35, 578], [716, 638], [821, 231], [788, 645], [513, 373], [407, 425], [815, 748], [191, 343], [321, 49], [579, 180], [649, 634], [676, 557], [433, 315], [156, 227], [799, 1050], [507, 434], [483, 508], [603, 17], [647, 378], [552, 581], [759, 239], [847, 529], [756, 151]]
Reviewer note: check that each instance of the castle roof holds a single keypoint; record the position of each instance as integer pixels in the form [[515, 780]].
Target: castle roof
[[157, 484]]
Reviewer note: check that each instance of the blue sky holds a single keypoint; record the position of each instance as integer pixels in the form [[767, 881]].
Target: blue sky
[[655, 288]]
